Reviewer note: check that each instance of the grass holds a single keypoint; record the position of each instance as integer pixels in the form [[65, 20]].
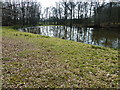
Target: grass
[[32, 61]]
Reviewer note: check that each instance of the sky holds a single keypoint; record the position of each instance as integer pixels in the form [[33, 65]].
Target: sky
[[48, 3]]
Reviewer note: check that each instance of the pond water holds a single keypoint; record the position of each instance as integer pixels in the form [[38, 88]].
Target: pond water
[[99, 37]]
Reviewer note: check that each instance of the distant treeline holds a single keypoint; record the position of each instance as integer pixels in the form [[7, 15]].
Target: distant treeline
[[20, 13], [64, 12]]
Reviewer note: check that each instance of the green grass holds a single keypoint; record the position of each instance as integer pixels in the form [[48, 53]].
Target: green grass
[[33, 61]]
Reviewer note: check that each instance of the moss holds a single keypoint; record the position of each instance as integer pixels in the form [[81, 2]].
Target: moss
[[45, 36], [98, 47], [6, 58]]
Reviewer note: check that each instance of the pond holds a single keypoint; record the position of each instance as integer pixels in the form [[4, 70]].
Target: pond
[[94, 36]]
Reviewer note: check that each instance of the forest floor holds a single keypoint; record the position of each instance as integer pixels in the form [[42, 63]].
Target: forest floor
[[33, 61]]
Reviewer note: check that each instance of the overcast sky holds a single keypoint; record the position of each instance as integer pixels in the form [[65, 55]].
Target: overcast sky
[[47, 3]]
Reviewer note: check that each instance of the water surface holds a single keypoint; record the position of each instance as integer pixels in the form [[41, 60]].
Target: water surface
[[99, 37]]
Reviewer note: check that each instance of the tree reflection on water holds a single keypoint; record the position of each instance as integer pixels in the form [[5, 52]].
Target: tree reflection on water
[[95, 36]]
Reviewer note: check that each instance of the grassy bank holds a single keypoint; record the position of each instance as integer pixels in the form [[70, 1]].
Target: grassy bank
[[33, 61]]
